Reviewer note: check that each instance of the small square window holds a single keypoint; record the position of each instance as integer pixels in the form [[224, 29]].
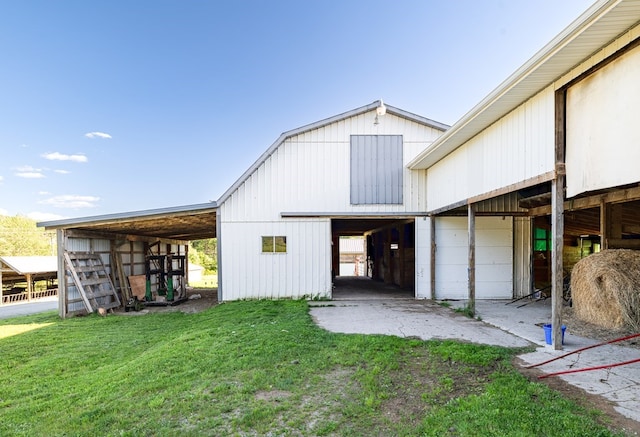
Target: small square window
[[274, 244]]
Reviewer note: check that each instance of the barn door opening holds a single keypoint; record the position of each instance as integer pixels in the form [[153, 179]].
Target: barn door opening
[[381, 249]]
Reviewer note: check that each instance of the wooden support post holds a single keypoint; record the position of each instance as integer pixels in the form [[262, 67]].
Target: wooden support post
[[557, 221], [604, 222], [433, 257], [557, 241], [29, 287], [472, 259], [62, 276], [1, 298]]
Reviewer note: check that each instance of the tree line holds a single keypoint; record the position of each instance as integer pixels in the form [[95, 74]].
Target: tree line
[[19, 236]]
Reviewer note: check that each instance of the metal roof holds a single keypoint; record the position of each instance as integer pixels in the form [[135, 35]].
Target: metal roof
[[309, 127], [597, 26], [186, 223], [23, 265]]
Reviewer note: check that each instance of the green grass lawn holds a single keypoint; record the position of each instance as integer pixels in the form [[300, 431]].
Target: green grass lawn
[[262, 368], [207, 281]]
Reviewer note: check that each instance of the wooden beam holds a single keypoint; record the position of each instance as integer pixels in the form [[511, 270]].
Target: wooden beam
[[604, 225], [61, 242], [472, 259], [557, 221], [620, 196], [619, 243], [125, 237], [545, 177]]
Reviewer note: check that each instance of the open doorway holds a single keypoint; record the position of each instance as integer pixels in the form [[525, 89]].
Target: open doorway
[[376, 250], [353, 256]]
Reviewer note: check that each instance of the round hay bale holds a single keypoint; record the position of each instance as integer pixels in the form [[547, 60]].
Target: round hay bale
[[605, 288]]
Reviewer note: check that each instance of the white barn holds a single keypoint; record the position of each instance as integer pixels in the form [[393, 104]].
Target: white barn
[[279, 224], [501, 202], [557, 140]]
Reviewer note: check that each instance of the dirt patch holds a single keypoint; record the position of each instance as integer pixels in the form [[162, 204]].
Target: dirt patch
[[612, 419], [423, 381], [198, 300]]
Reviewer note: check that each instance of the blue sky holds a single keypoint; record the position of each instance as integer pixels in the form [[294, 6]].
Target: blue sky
[[111, 106]]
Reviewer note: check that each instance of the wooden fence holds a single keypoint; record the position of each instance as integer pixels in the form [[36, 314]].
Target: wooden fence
[[24, 296]]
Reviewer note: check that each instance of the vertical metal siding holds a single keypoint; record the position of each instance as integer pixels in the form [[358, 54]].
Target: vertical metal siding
[[516, 148], [423, 257], [303, 271], [376, 169], [494, 258], [522, 252], [310, 172]]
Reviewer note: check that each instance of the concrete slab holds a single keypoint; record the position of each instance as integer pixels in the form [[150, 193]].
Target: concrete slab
[[407, 318], [620, 385], [363, 307]]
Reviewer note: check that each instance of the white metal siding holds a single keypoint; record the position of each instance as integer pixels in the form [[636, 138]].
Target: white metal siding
[[423, 257], [516, 148], [522, 252], [310, 172], [494, 257], [303, 271], [376, 169], [603, 139]]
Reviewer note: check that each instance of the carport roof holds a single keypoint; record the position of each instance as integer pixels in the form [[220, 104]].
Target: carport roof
[[23, 265], [184, 223]]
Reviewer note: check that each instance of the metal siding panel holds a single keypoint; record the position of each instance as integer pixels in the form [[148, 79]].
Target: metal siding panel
[[601, 127], [316, 177], [423, 257], [515, 148], [522, 250], [494, 262]]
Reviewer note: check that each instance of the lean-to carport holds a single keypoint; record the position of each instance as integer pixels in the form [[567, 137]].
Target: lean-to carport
[[127, 238]]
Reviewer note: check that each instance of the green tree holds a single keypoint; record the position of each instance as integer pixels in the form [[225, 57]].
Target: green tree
[[205, 253], [19, 236]]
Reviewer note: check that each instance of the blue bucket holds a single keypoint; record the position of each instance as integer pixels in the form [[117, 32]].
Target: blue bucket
[[548, 333]]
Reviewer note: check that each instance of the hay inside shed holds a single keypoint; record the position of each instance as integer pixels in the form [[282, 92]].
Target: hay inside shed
[[605, 288]]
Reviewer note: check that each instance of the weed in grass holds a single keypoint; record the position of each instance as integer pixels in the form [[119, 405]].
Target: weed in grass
[[467, 311]]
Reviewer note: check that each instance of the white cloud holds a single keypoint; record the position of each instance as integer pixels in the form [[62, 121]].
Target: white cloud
[[44, 216], [4, 212], [62, 171], [97, 135], [24, 146], [56, 156], [30, 175], [28, 168], [71, 201], [28, 172], [1, 179], [43, 193]]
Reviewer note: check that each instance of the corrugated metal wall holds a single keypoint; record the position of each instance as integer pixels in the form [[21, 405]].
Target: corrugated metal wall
[[522, 253], [494, 257], [423, 257], [516, 148], [310, 172], [376, 169], [303, 271], [307, 173], [601, 127], [132, 254]]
